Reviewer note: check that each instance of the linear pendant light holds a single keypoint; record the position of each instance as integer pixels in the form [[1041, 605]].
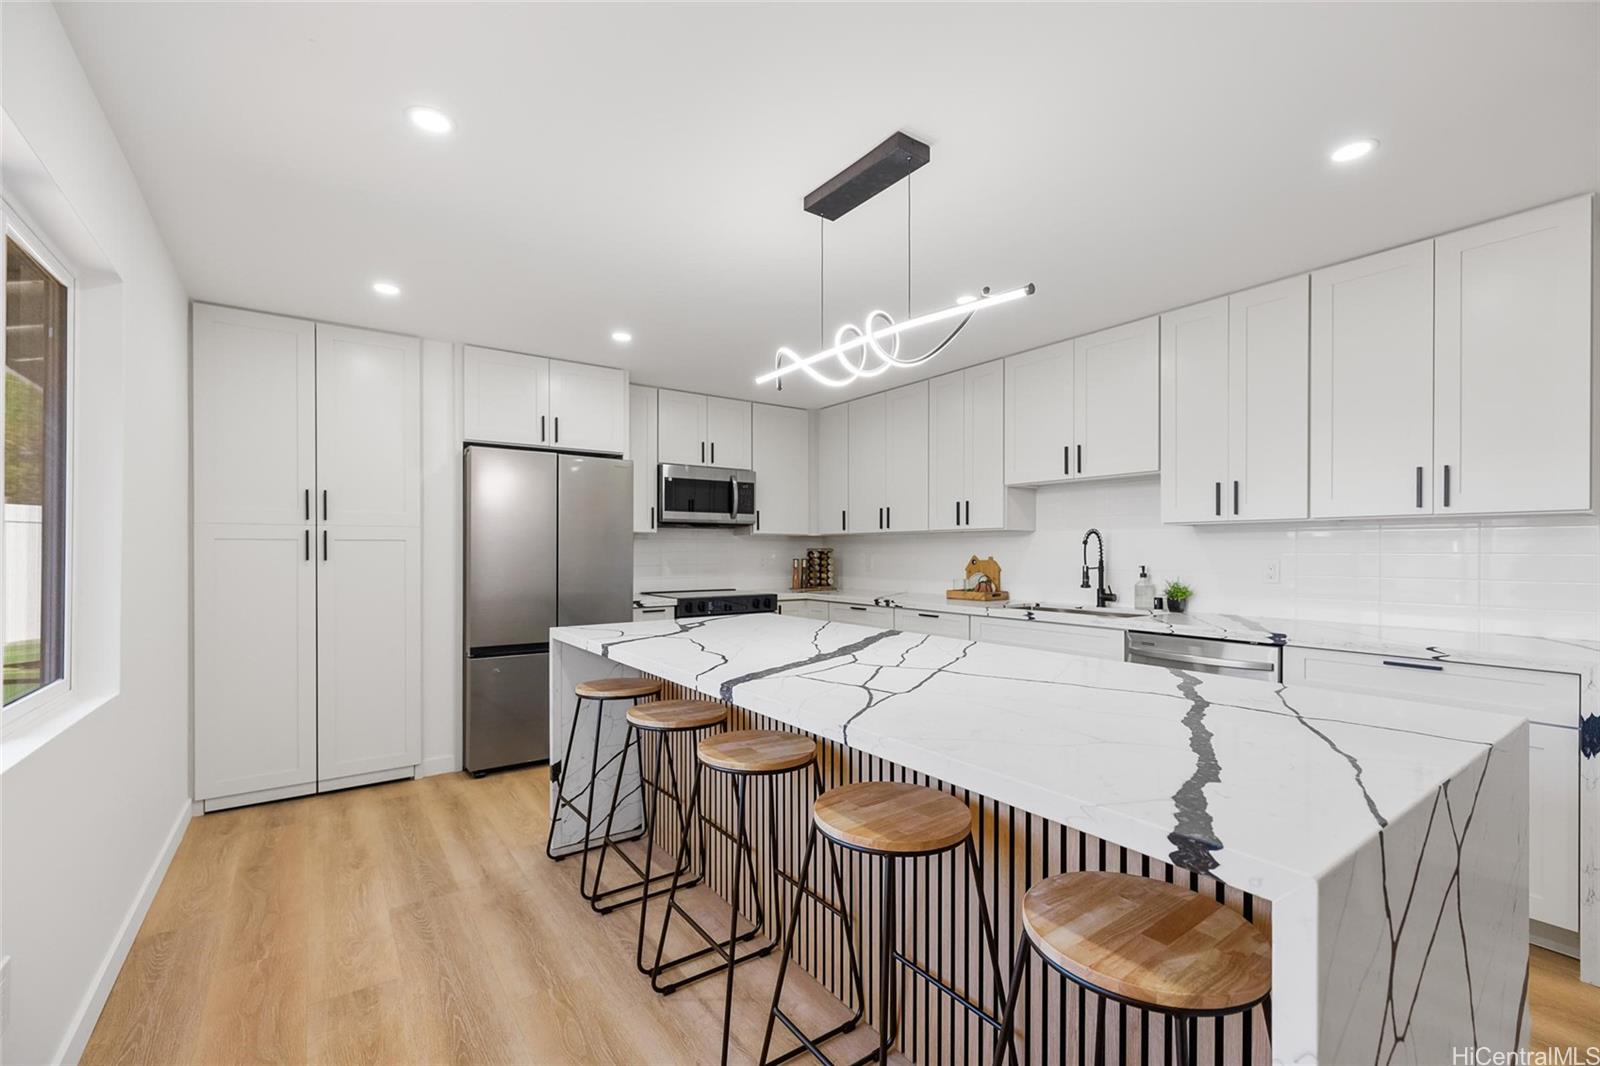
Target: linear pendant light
[[851, 338]]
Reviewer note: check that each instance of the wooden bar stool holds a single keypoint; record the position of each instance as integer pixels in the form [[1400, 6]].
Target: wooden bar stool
[[742, 755], [1143, 943], [599, 692], [892, 820]]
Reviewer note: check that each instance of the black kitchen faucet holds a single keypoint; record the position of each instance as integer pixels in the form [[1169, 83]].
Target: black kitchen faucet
[[1102, 592]]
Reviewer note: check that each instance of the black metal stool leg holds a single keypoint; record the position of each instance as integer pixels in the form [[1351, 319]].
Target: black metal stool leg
[[1006, 1039], [630, 738], [594, 783], [561, 788], [986, 927], [672, 893], [889, 936], [733, 920]]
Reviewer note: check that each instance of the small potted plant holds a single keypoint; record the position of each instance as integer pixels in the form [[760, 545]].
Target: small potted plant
[[1177, 595]]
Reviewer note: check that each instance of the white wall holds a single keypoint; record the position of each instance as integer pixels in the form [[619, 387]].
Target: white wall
[[87, 818], [1537, 576], [714, 558]]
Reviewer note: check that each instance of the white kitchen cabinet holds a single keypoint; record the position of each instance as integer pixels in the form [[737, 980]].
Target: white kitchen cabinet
[[938, 623], [588, 407], [966, 454], [1194, 412], [505, 397], [1553, 825], [906, 458], [652, 614], [861, 615], [255, 659], [1550, 701], [1268, 376], [1514, 363], [804, 609], [1372, 385], [369, 653], [642, 445], [681, 427], [868, 489], [255, 386], [369, 427], [780, 454], [1093, 642], [728, 432], [833, 470], [1117, 396], [1038, 416]]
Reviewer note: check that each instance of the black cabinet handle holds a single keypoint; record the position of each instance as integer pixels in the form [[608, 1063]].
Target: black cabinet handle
[[713, 453], [924, 614], [1414, 666], [324, 505], [880, 518], [1080, 459], [1219, 498], [967, 520], [308, 505], [888, 517], [855, 608], [958, 512], [324, 545], [702, 451], [308, 545], [1447, 484], [1066, 458], [652, 516], [842, 524], [1419, 486], [541, 429], [1235, 497], [556, 421]]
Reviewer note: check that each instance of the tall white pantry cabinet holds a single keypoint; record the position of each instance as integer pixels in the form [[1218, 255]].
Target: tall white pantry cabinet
[[307, 583]]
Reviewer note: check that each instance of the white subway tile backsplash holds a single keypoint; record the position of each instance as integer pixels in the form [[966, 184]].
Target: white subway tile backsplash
[[1538, 576]]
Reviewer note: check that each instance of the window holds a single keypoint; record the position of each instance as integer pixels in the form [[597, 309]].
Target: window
[[34, 623]]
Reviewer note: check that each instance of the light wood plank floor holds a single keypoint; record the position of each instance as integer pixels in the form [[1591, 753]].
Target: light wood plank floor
[[421, 922]]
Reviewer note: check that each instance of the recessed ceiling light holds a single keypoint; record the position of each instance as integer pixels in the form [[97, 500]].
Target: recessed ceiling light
[[621, 336], [965, 298], [1349, 153], [385, 288], [429, 119]]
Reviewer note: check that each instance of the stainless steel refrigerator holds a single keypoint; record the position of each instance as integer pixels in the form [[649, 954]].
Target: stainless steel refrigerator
[[548, 542]]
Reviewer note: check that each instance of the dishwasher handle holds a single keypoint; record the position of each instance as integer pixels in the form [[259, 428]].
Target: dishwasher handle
[[1204, 660]]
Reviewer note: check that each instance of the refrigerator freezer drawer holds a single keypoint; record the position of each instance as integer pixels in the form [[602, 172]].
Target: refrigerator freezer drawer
[[507, 711]]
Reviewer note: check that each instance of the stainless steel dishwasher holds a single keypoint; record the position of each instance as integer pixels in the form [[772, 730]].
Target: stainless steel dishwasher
[[1233, 658]]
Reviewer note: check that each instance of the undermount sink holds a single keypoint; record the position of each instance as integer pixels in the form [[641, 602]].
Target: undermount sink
[[1092, 612]]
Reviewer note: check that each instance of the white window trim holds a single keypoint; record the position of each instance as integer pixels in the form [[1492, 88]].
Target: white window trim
[[33, 709]]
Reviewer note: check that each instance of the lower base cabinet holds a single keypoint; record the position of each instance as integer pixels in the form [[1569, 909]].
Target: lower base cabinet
[[938, 623], [857, 614], [1549, 699], [1093, 642], [804, 609]]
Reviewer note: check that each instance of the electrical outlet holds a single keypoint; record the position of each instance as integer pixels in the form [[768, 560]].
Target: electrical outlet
[[1274, 571]]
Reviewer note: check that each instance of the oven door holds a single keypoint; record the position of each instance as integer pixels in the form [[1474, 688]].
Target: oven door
[[706, 495]]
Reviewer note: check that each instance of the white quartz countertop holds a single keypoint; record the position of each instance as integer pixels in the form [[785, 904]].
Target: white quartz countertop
[[1265, 786]]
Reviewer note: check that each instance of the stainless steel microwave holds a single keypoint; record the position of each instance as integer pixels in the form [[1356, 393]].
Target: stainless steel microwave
[[705, 495]]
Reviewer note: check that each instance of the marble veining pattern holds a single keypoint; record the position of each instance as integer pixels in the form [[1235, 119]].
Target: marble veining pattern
[[1361, 818]]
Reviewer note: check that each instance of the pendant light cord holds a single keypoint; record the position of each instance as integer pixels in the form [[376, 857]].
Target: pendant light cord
[[822, 287], [908, 246]]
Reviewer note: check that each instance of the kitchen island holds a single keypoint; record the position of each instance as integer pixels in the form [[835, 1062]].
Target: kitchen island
[[1383, 842]]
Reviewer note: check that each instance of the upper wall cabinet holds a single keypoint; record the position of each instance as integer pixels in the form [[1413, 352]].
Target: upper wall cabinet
[[642, 451], [888, 461], [1233, 406], [780, 454], [528, 400], [255, 457], [966, 454], [588, 407], [1085, 408], [1514, 363], [1372, 385], [701, 430], [369, 427], [505, 397], [832, 470]]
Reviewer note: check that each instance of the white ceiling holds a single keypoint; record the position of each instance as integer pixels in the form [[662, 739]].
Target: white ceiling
[[643, 166]]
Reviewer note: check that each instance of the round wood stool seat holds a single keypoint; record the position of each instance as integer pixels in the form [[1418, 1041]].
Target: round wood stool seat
[[617, 688], [677, 715], [757, 751], [1148, 942], [892, 817]]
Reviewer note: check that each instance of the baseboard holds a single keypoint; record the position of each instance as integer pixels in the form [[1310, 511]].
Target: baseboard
[[82, 1028], [438, 764]]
